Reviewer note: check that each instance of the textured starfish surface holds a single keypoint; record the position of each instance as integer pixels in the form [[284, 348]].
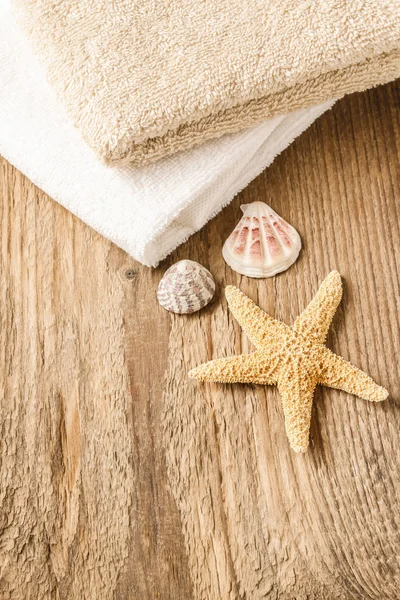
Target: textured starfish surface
[[293, 358]]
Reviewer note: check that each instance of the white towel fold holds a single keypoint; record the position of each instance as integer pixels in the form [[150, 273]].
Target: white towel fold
[[148, 211]]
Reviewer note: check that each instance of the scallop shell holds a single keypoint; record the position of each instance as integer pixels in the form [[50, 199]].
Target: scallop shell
[[262, 244], [186, 287]]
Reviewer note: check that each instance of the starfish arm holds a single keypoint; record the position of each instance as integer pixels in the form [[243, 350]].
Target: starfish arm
[[261, 329], [339, 374], [315, 320], [297, 391], [245, 368]]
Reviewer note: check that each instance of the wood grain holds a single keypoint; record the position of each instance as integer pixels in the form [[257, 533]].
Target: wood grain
[[90, 427]]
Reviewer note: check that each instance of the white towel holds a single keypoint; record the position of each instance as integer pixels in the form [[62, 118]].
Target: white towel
[[148, 211]]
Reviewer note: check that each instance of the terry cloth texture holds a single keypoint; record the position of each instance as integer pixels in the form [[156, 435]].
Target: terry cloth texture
[[149, 78], [147, 210]]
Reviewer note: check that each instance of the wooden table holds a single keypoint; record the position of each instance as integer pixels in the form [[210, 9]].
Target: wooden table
[[96, 405]]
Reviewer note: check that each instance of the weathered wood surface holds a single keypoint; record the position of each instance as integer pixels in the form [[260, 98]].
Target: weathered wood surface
[[90, 426]]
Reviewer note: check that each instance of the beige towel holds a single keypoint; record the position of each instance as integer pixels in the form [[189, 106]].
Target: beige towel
[[146, 78]]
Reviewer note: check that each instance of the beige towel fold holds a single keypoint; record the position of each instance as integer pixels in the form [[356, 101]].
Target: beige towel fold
[[147, 78]]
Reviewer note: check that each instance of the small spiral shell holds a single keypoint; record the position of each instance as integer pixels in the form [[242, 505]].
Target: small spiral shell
[[186, 287]]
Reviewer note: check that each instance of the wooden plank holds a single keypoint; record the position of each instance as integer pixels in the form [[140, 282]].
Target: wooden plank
[[89, 425], [85, 508]]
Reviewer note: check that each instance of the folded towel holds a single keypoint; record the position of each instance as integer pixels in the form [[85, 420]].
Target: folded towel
[[149, 78], [148, 210]]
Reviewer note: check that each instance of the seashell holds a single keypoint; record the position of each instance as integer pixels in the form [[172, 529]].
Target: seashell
[[186, 287], [262, 244]]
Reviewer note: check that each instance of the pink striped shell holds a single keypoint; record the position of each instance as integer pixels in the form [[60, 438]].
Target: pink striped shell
[[262, 244]]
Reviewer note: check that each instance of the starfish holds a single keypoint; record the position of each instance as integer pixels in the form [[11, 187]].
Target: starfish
[[293, 358]]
